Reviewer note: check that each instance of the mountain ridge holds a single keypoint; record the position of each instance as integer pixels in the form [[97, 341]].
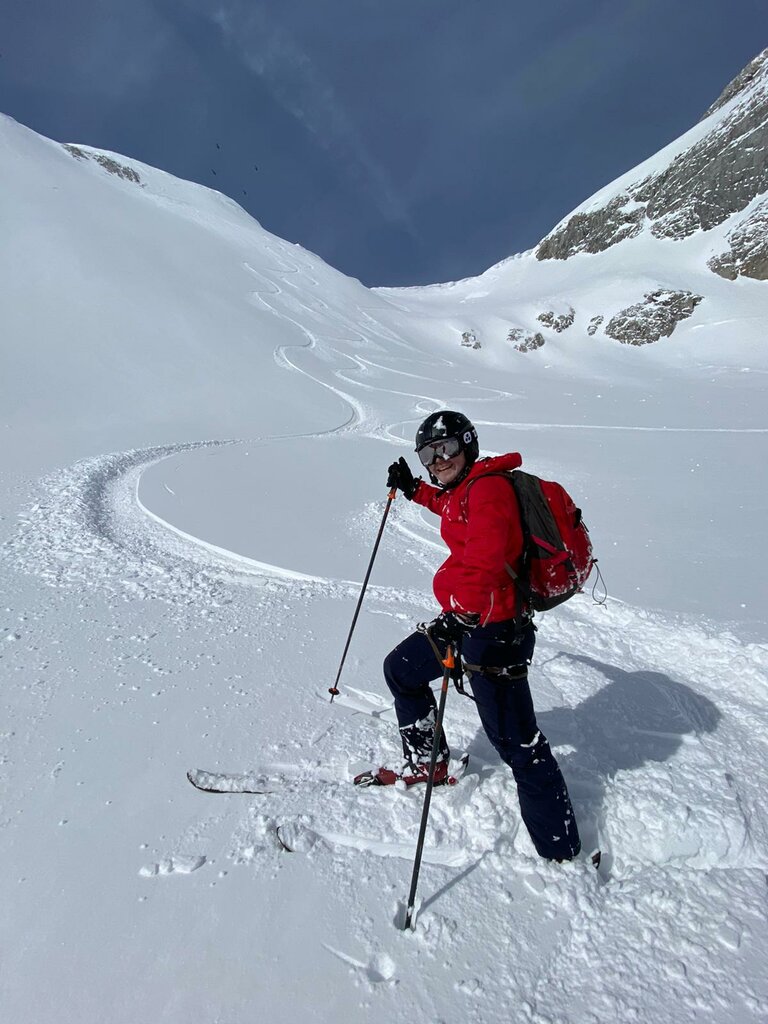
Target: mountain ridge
[[714, 171]]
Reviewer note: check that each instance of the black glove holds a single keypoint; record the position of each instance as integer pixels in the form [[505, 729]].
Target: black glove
[[401, 477], [451, 628]]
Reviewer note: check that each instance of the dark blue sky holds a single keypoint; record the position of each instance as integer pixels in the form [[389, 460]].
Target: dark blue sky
[[406, 141]]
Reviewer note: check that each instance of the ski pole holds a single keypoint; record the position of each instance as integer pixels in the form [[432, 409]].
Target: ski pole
[[449, 663], [333, 690]]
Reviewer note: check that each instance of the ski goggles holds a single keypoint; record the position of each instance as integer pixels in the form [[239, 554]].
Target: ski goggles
[[447, 449]]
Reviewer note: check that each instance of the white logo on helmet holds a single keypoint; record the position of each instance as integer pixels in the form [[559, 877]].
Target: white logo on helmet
[[467, 437]]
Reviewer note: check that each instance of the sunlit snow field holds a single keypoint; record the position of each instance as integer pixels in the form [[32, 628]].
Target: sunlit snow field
[[198, 421]]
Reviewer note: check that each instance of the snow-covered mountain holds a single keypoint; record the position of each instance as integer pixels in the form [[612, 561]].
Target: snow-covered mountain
[[197, 417], [707, 192], [712, 174]]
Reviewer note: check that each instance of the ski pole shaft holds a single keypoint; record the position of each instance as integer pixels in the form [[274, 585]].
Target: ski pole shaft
[[333, 690], [449, 664]]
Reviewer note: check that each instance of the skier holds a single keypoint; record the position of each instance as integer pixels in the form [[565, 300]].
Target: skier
[[484, 612]]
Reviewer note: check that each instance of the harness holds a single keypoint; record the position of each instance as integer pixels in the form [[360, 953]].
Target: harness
[[501, 673]]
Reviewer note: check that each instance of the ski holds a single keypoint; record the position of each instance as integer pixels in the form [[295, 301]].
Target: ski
[[276, 779], [230, 782], [266, 779]]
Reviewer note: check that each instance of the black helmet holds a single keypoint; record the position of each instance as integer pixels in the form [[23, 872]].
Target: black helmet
[[445, 424]]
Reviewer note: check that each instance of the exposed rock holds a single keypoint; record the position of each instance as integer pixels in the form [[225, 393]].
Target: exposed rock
[[121, 170], [524, 340], [593, 232], [594, 323], [557, 321], [747, 252], [724, 265], [653, 318], [469, 340], [719, 176], [739, 83], [713, 178]]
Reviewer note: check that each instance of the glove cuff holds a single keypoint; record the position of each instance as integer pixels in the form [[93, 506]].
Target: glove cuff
[[410, 494]]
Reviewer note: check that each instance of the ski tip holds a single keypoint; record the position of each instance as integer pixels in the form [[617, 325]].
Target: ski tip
[[365, 779], [283, 840], [202, 781], [594, 858], [226, 783]]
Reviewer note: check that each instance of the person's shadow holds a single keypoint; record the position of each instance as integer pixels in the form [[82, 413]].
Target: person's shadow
[[636, 718]]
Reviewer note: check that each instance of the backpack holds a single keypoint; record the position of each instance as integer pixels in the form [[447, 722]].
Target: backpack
[[557, 550]]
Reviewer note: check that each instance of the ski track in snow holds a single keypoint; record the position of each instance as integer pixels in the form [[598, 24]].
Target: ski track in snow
[[638, 708], [91, 530]]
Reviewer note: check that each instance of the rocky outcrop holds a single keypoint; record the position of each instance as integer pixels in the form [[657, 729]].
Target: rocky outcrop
[[469, 339], [121, 170], [716, 176], [747, 252], [653, 318], [593, 232], [594, 323], [557, 321], [524, 340], [741, 82]]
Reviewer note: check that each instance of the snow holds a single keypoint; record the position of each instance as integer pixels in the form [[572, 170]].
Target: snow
[[197, 419]]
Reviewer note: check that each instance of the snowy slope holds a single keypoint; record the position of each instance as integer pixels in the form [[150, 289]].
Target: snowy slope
[[197, 418]]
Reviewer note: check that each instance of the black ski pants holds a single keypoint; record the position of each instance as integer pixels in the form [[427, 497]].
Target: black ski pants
[[506, 712]]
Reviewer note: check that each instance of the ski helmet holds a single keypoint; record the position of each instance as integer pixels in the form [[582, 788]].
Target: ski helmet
[[441, 425]]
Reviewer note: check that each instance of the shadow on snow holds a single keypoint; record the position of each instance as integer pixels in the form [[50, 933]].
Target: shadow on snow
[[635, 719]]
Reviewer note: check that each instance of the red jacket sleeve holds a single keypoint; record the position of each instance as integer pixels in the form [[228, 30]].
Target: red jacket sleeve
[[430, 497]]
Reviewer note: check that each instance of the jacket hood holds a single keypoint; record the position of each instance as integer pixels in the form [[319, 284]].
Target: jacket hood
[[495, 464]]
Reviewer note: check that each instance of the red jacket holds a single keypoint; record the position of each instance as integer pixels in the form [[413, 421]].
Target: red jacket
[[481, 526]]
